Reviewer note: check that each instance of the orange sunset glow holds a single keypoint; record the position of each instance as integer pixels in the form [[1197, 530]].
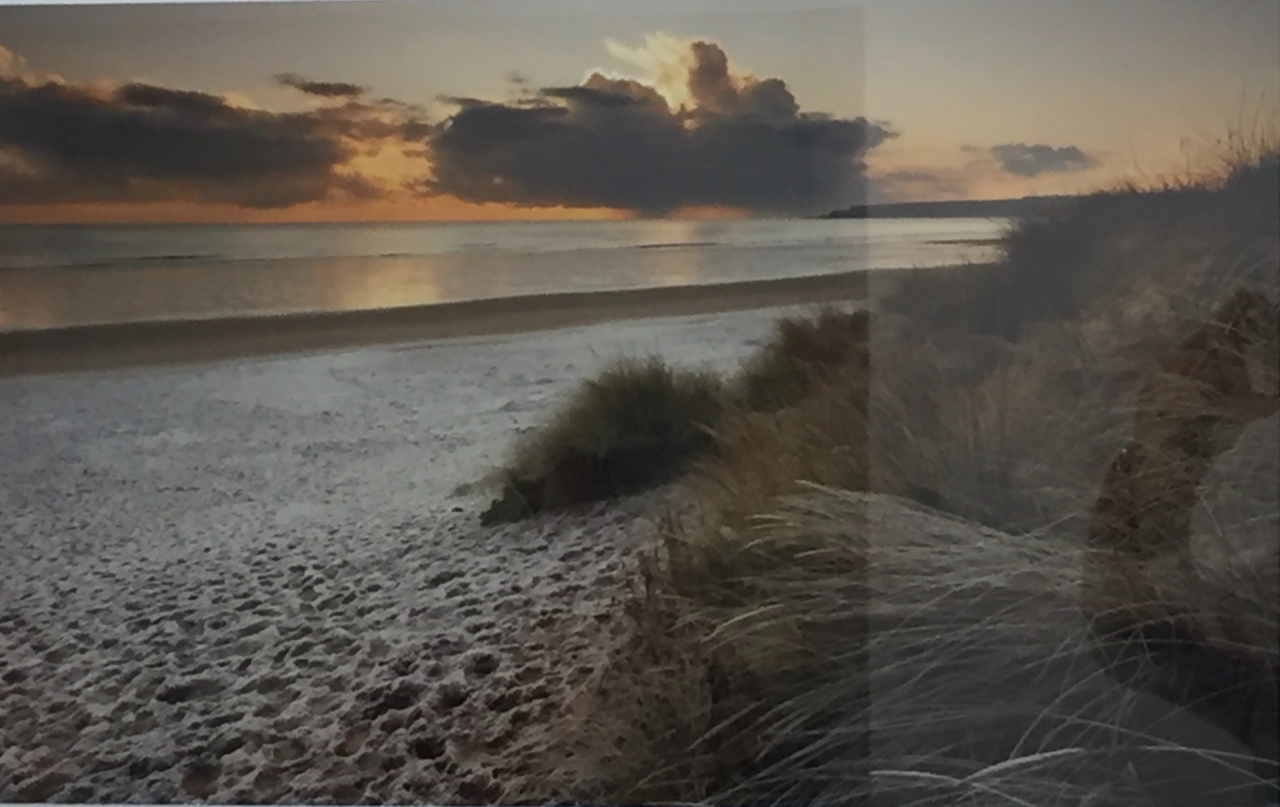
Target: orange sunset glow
[[282, 112]]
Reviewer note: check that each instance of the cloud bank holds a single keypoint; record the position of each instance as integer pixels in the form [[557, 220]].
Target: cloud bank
[[1001, 170], [696, 134], [143, 143]]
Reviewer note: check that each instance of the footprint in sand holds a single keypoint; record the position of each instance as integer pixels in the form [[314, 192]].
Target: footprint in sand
[[428, 747], [505, 700], [185, 690], [352, 741], [481, 664], [200, 779], [450, 695], [287, 751]]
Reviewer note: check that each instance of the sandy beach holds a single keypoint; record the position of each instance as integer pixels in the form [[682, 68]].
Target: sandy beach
[[264, 580]]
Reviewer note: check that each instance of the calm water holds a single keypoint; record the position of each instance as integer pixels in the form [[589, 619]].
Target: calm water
[[64, 275]]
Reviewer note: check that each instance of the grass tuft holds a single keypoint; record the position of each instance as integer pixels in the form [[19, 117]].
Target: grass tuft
[[638, 423], [802, 353], [628, 429]]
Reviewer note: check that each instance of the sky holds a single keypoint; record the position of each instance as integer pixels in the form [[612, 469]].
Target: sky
[[477, 109]]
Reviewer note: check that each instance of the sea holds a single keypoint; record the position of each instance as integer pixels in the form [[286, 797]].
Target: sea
[[54, 276]]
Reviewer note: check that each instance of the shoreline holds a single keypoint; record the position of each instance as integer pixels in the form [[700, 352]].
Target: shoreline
[[85, 348]]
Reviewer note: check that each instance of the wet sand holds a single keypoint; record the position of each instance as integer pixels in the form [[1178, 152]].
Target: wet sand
[[176, 342]]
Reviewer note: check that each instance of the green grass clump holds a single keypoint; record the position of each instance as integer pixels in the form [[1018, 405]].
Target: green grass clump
[[628, 429], [803, 351], [638, 423]]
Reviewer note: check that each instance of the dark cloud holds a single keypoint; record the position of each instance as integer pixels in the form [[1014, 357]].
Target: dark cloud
[[608, 142], [1026, 160], [584, 95], [618, 143], [709, 82], [323, 89], [140, 142]]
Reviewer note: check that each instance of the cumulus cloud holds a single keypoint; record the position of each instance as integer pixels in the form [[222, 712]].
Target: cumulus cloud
[[664, 60], [695, 133], [322, 89], [1021, 159], [11, 64], [140, 142]]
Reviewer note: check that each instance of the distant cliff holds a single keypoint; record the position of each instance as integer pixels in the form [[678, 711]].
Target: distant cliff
[[990, 208]]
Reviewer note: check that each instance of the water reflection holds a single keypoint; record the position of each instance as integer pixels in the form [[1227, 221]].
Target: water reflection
[[35, 300], [180, 285], [384, 284], [677, 267], [47, 298]]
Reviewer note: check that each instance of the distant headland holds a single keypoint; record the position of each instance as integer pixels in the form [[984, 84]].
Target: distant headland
[[986, 208]]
